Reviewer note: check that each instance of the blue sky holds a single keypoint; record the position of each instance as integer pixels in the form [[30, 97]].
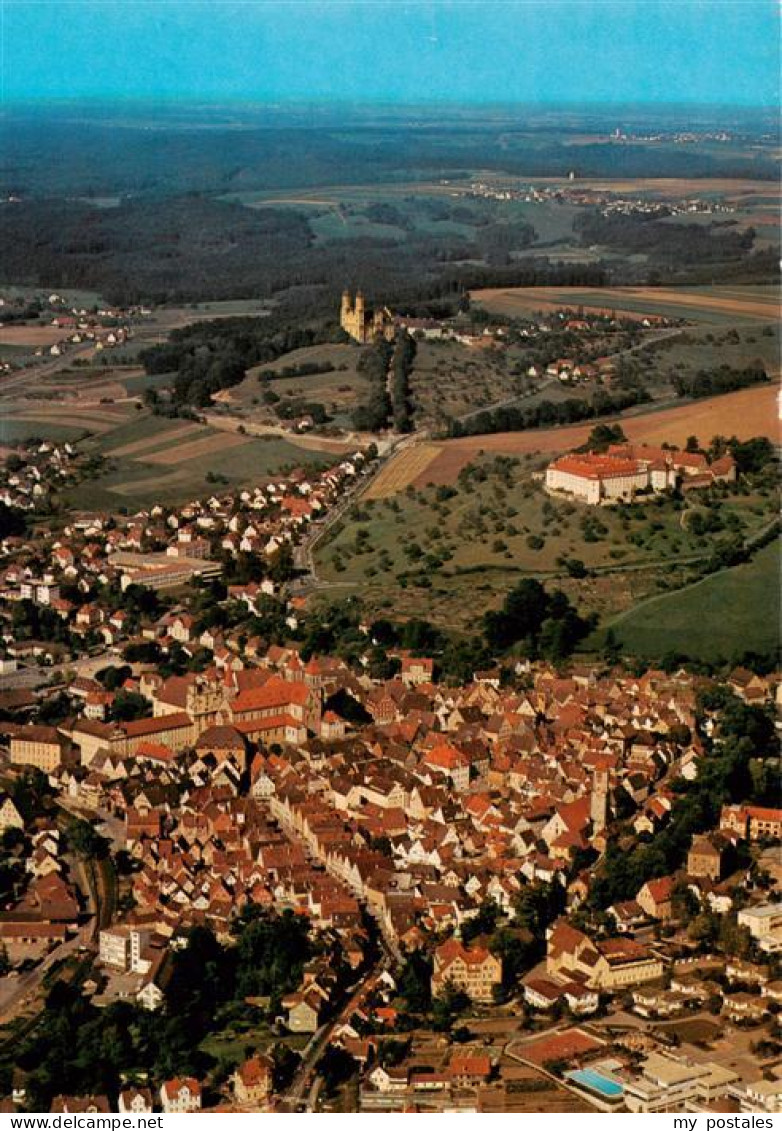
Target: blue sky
[[712, 51]]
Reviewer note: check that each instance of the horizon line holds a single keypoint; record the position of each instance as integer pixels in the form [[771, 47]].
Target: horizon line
[[276, 102]]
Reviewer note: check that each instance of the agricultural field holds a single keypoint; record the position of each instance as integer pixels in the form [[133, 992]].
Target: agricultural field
[[19, 430], [455, 550], [719, 305], [31, 335], [719, 618], [746, 413], [155, 459], [43, 418], [404, 469]]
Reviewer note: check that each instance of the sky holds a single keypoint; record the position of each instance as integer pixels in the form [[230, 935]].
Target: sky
[[473, 51]]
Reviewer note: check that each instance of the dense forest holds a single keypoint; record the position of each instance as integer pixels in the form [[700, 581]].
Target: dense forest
[[208, 356], [184, 249], [157, 214], [90, 156], [672, 244]]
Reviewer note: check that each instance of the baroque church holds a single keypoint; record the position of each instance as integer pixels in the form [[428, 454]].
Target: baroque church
[[364, 325]]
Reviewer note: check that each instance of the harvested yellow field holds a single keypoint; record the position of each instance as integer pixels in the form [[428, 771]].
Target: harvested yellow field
[[403, 469], [206, 446], [746, 413]]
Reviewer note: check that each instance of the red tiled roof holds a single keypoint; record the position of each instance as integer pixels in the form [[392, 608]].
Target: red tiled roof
[[274, 693], [139, 727], [590, 466]]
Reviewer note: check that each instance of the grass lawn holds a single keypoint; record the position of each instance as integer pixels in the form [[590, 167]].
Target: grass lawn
[[724, 615], [231, 1045]]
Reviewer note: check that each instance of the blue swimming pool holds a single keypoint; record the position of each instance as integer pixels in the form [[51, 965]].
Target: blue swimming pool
[[603, 1085]]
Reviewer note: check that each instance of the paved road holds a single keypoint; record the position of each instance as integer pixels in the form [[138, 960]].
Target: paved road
[[19, 991], [305, 1082], [303, 554]]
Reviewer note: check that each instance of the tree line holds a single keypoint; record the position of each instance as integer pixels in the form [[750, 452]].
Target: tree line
[[375, 413], [712, 382], [548, 413], [401, 368]]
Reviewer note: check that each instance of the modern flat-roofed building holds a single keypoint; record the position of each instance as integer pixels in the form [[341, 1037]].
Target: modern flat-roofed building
[[765, 925], [666, 1083]]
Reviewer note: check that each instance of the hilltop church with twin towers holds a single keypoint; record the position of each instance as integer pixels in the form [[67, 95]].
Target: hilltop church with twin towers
[[364, 325]]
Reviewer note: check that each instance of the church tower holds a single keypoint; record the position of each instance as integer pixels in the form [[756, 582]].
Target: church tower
[[346, 309], [359, 313], [598, 809]]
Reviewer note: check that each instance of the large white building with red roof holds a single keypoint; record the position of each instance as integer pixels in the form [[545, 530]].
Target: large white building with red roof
[[602, 478], [627, 469]]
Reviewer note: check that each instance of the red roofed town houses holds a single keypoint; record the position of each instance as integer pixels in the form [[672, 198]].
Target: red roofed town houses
[[180, 1095], [685, 464], [474, 970], [448, 761], [176, 731], [78, 1104], [608, 964], [596, 478], [40, 746], [416, 670], [277, 698], [752, 822], [655, 897], [252, 1081], [135, 1101], [469, 1069]]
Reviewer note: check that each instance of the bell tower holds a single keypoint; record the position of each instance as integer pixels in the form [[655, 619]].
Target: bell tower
[[346, 308], [598, 807], [359, 316]]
